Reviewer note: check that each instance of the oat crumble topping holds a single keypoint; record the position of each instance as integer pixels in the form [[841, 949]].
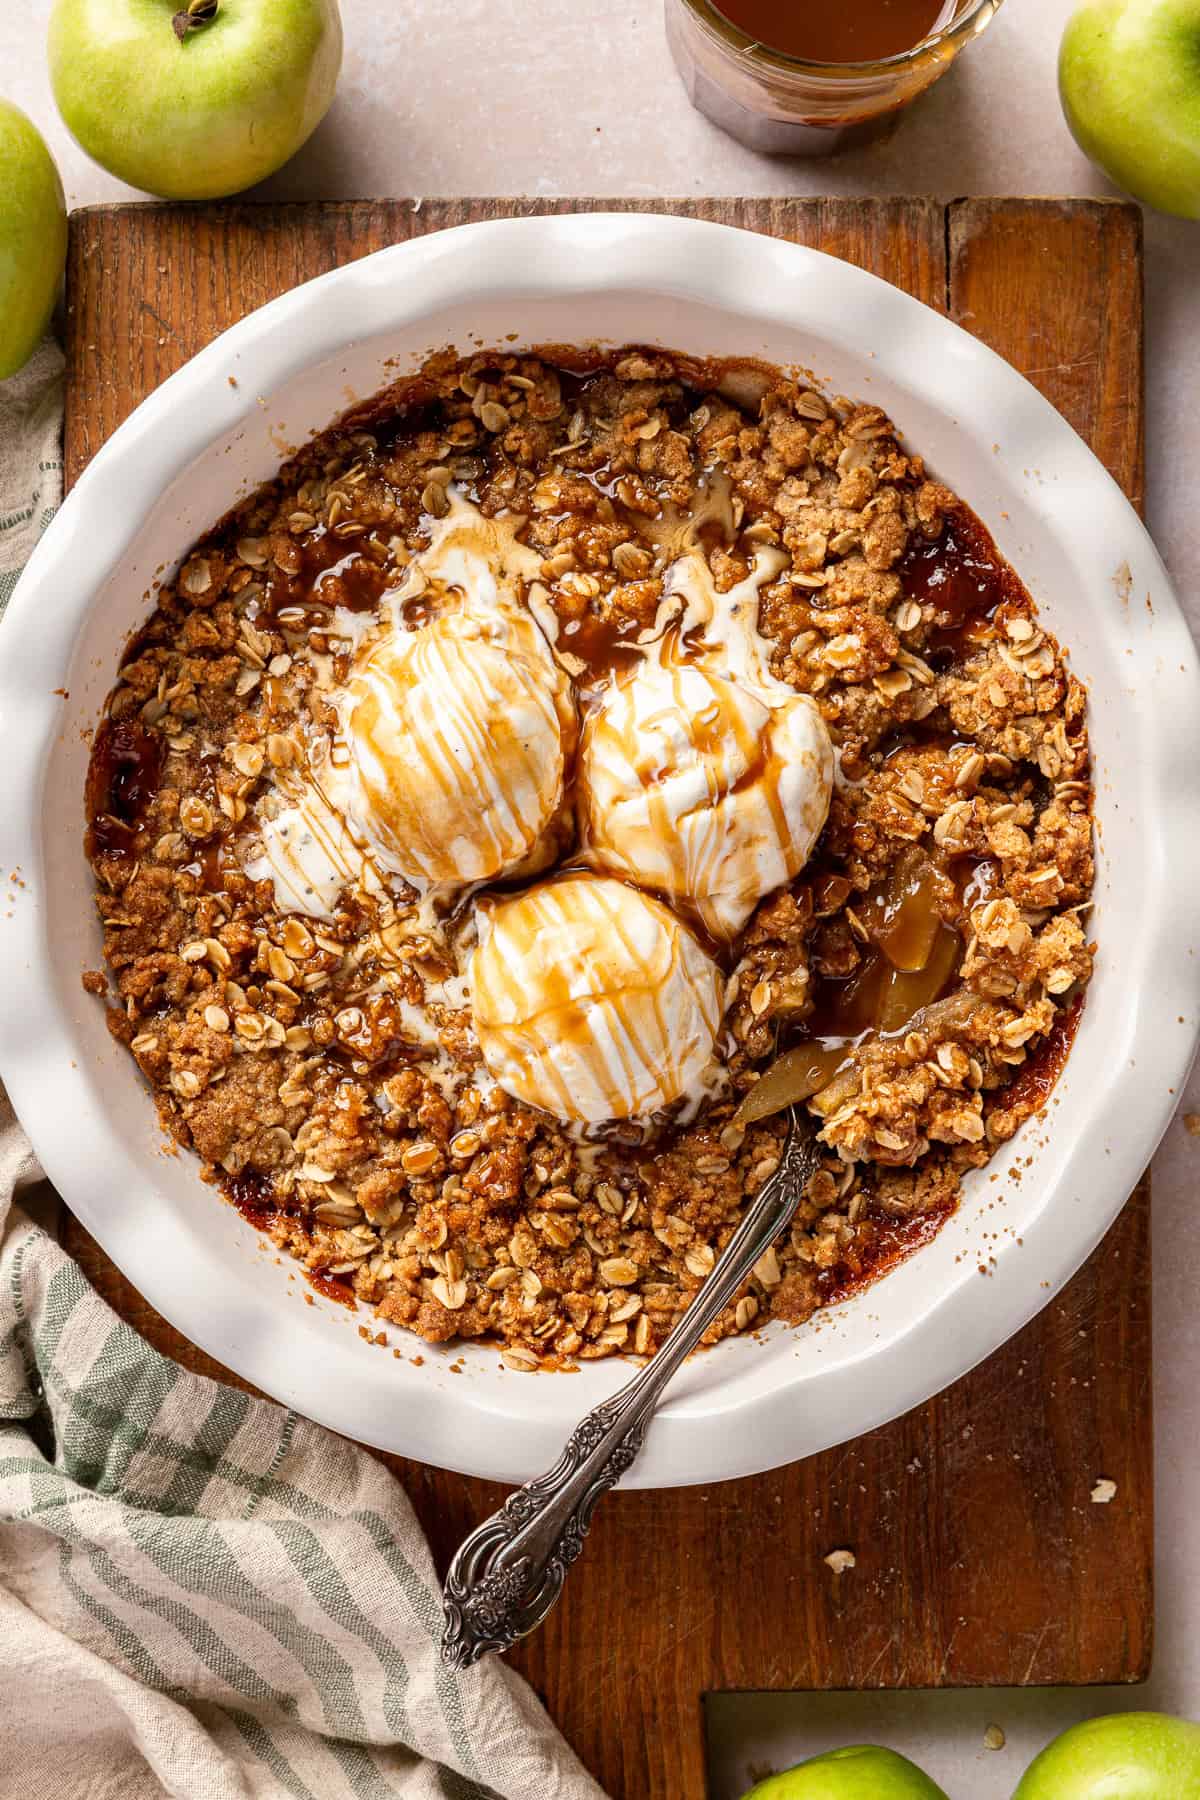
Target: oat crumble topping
[[929, 959]]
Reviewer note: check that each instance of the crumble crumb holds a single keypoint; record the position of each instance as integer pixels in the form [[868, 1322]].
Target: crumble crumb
[[840, 1560]]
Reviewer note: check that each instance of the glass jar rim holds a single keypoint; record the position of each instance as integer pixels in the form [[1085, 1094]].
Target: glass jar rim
[[740, 41]]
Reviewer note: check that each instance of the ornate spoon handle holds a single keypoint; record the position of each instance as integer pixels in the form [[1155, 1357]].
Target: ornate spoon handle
[[508, 1574]]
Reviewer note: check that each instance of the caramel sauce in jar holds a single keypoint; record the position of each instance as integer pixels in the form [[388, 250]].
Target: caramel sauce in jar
[[864, 31], [806, 79]]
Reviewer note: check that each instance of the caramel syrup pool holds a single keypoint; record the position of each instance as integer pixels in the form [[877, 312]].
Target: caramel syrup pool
[[823, 31]]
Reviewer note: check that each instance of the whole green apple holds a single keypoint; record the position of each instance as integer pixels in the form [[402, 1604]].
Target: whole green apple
[[1129, 77], [193, 99], [33, 237], [1127, 1756], [859, 1772]]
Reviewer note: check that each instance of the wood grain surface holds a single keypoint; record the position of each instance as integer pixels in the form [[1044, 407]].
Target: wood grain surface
[[980, 1558]]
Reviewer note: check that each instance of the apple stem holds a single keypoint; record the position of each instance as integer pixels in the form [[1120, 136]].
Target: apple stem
[[195, 14]]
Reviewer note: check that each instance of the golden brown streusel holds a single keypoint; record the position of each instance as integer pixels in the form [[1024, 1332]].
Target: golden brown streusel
[[281, 1048]]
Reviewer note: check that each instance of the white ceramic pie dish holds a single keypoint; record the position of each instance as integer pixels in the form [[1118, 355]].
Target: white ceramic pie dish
[[200, 442]]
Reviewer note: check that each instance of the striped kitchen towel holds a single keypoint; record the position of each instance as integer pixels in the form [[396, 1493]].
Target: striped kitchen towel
[[203, 1595], [30, 459]]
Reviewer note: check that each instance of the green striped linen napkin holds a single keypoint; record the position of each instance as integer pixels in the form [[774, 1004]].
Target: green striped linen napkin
[[30, 460], [203, 1595]]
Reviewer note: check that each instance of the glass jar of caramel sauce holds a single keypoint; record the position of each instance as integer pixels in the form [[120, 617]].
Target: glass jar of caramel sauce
[[804, 77]]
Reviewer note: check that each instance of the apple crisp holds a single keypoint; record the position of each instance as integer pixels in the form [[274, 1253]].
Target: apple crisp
[[913, 974]]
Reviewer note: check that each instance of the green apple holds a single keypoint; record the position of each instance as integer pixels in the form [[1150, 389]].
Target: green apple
[[1127, 1756], [33, 237], [1129, 77], [193, 99], [860, 1772]]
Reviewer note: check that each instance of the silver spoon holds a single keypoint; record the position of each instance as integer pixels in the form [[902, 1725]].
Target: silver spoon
[[508, 1574]]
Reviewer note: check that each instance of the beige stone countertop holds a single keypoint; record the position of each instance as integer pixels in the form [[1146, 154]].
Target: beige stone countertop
[[546, 98]]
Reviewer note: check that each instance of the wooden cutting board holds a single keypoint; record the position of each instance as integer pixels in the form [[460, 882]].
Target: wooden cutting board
[[980, 1556]]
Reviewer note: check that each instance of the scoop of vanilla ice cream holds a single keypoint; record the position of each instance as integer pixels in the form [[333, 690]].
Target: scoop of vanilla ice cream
[[458, 735], [701, 774], [706, 789], [592, 1001], [453, 740]]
